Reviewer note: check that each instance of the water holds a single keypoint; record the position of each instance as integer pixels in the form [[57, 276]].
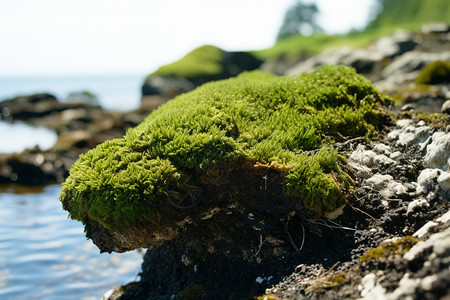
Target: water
[[18, 136], [44, 255], [115, 92]]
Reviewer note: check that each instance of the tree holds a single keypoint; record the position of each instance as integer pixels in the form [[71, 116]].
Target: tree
[[300, 18]]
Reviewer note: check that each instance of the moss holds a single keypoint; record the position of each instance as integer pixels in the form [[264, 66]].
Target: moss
[[436, 120], [386, 249], [204, 61], [435, 73], [255, 118], [194, 291]]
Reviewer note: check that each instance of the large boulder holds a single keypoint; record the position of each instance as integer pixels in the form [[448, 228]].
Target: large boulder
[[204, 64]]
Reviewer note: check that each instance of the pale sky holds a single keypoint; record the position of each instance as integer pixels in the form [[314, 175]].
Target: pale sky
[[65, 37]]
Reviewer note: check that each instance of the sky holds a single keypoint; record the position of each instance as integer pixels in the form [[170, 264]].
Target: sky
[[76, 37]]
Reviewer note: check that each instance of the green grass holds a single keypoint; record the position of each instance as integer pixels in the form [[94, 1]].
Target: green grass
[[289, 122], [316, 44], [204, 61], [411, 14]]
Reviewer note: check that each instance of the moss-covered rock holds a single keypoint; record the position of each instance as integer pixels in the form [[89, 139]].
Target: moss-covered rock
[[204, 64], [173, 164], [435, 73]]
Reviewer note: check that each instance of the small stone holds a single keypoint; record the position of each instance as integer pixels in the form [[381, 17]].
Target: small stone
[[382, 149], [362, 156], [361, 171], [396, 155], [444, 183], [394, 189], [438, 152], [445, 109], [425, 181], [379, 181], [407, 107], [404, 123], [383, 160]]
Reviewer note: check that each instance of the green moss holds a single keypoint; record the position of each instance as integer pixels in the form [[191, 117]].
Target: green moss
[[256, 118], [386, 249], [436, 120], [204, 61], [435, 72]]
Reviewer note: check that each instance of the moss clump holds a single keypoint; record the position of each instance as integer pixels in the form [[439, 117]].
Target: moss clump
[[256, 118], [386, 249], [435, 73], [205, 61]]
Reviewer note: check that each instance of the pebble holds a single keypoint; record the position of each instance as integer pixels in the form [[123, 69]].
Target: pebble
[[426, 180], [444, 183], [362, 156], [445, 109], [394, 189], [438, 152], [416, 203], [379, 182], [382, 149]]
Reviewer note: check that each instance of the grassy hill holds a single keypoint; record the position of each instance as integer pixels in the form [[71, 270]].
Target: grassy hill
[[394, 14], [410, 14]]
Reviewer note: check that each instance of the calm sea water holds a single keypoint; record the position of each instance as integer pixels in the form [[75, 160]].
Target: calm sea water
[[115, 92], [18, 136], [45, 255]]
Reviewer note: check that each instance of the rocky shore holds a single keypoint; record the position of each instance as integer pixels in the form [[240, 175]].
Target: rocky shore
[[390, 241]]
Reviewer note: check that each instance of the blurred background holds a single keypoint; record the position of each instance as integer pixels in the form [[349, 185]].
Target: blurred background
[[76, 73]]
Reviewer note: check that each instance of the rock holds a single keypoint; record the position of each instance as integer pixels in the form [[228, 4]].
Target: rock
[[445, 109], [427, 180], [363, 157], [326, 58], [444, 183], [412, 61], [378, 181], [24, 107], [22, 172], [438, 152], [394, 190], [409, 134], [367, 61], [435, 28], [84, 97], [204, 64]]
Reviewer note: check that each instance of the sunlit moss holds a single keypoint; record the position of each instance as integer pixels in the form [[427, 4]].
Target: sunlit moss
[[386, 249], [256, 118]]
